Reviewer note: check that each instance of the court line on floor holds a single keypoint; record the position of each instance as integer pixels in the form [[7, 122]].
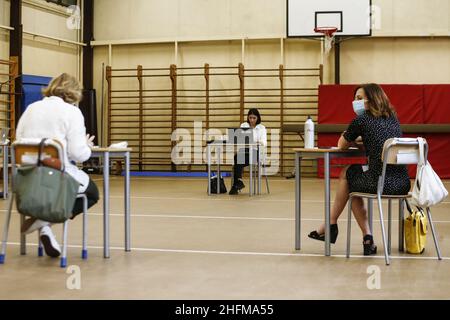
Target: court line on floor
[[177, 216], [243, 253], [240, 199], [234, 199], [143, 179]]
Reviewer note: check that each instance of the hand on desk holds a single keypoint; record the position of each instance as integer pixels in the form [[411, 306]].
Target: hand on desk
[[90, 140], [358, 143]]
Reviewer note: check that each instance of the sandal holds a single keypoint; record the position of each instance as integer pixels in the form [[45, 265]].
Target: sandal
[[321, 237], [369, 248]]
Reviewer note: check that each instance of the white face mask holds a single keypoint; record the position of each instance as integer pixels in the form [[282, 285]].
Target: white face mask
[[359, 107]]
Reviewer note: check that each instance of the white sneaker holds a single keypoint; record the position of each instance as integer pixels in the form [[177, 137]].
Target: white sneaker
[[33, 224], [51, 246]]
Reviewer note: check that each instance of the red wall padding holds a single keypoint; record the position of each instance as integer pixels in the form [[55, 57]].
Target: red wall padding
[[415, 104], [437, 102]]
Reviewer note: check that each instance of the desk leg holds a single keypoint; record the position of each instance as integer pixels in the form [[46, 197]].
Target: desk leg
[[250, 158], [23, 237], [219, 153], [401, 232], [255, 180], [298, 185], [106, 205], [5, 172], [208, 159], [327, 203], [370, 213], [127, 203], [259, 171]]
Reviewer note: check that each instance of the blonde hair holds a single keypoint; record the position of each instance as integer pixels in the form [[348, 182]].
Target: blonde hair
[[66, 87]]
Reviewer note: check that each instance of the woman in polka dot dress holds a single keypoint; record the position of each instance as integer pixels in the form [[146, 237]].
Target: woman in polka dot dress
[[376, 122]]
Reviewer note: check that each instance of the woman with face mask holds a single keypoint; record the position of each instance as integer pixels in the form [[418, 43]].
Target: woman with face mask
[[375, 122], [259, 136]]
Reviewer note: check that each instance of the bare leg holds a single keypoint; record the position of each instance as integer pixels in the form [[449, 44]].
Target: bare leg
[[360, 214], [340, 201]]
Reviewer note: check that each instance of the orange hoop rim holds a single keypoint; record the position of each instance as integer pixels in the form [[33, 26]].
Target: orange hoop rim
[[327, 31]]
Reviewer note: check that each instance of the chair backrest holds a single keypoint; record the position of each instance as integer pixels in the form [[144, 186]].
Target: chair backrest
[[26, 151], [401, 151]]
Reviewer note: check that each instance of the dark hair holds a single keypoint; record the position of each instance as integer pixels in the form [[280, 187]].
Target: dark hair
[[254, 112], [378, 102]]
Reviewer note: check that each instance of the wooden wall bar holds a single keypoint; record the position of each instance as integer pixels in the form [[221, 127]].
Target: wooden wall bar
[[145, 105], [8, 73]]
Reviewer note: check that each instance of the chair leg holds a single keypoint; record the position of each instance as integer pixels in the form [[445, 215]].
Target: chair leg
[[383, 233], [267, 184], [349, 225], [401, 230], [389, 226], [255, 180], [23, 238], [40, 247], [6, 230], [63, 262], [84, 252], [370, 213], [433, 231]]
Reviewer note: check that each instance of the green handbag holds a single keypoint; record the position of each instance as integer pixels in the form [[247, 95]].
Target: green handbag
[[45, 193]]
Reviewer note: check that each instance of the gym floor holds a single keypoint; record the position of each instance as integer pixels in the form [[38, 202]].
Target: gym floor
[[186, 245]]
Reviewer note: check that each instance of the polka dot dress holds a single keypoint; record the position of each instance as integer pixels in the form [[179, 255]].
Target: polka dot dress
[[374, 132]]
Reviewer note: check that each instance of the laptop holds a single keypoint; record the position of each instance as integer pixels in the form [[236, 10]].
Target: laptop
[[240, 136]]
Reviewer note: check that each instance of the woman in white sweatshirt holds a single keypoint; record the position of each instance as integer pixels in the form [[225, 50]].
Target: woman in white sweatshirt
[[57, 117], [260, 137]]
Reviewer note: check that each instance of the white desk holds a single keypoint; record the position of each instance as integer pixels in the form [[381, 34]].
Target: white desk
[[107, 154], [326, 154], [219, 146]]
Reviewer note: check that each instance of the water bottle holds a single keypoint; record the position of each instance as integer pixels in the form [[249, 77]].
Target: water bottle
[[309, 133]]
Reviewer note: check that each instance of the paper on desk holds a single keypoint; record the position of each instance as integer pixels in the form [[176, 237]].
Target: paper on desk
[[119, 145], [406, 139], [407, 158]]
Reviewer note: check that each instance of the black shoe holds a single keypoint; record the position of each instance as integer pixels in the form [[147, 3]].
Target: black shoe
[[321, 237], [369, 247], [239, 184], [233, 191]]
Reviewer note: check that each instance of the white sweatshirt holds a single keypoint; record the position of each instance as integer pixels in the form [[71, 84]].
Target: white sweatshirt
[[53, 118], [259, 133]]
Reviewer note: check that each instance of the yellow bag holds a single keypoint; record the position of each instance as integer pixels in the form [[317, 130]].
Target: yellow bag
[[416, 225]]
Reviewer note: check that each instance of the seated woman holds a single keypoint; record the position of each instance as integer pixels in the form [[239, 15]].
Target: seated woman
[[259, 136], [57, 117], [376, 122]]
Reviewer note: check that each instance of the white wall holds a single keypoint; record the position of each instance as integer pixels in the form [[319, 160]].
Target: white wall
[[42, 56], [193, 18], [4, 34], [249, 18], [413, 17]]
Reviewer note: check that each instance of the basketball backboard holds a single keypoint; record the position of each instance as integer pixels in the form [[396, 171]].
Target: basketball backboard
[[350, 17]]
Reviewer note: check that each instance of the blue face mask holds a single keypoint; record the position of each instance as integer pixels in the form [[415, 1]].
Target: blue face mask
[[358, 107]]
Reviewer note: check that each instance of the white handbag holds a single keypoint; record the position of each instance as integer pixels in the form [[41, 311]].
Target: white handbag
[[428, 189]]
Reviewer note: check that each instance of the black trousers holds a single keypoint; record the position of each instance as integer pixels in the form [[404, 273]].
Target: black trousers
[[92, 198], [241, 160]]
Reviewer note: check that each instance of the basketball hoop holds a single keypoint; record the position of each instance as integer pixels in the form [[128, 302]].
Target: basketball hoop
[[329, 33]]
